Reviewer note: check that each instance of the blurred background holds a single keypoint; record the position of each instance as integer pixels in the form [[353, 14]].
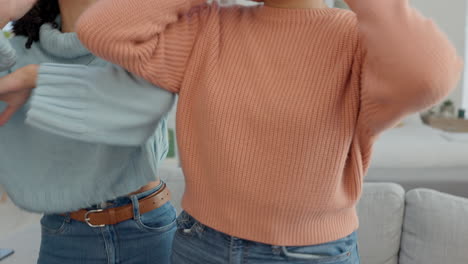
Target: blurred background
[[427, 150]]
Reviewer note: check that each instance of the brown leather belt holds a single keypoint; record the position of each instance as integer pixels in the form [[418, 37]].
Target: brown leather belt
[[112, 216]]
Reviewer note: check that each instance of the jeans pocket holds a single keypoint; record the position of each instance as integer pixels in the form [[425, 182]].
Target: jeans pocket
[[159, 220], [187, 226], [339, 252], [53, 223]]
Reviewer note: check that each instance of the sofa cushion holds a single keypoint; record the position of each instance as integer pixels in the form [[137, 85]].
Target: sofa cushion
[[435, 228], [380, 212]]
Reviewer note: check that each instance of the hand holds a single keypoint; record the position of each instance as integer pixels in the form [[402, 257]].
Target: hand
[[15, 101], [14, 9], [15, 90]]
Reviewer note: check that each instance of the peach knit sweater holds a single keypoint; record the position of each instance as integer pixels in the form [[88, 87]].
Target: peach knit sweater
[[278, 108]]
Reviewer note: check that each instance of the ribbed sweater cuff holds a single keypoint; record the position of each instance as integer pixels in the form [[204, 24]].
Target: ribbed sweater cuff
[[57, 104], [7, 53]]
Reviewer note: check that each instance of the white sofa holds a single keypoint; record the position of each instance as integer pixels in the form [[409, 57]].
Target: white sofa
[[418, 227]]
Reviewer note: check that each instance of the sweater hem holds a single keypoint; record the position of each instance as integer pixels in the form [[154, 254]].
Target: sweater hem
[[312, 230]]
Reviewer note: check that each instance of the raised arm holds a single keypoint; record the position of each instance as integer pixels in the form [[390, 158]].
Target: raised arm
[[93, 104], [152, 38], [13, 9], [408, 64]]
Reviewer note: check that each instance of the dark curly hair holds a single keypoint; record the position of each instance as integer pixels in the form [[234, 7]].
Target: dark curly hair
[[44, 11]]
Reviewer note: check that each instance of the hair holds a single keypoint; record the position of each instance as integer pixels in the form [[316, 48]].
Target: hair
[[43, 12]]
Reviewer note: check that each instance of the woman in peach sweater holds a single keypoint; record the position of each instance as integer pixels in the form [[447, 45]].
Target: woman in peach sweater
[[279, 106]]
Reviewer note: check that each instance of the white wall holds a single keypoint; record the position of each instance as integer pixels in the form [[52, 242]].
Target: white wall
[[465, 82], [450, 15], [7, 27]]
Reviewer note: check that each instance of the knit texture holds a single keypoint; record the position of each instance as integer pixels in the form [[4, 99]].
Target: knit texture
[[91, 104], [278, 108]]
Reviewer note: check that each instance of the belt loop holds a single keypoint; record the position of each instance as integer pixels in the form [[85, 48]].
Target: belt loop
[[136, 207], [67, 218]]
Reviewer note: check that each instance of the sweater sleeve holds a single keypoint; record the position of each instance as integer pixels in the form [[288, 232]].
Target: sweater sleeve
[[151, 38], [7, 54], [97, 104], [408, 64]]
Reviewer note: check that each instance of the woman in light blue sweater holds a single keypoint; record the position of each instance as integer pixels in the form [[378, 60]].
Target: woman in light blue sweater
[[102, 199]]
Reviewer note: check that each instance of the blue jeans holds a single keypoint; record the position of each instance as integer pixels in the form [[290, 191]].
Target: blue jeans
[[195, 243], [145, 239]]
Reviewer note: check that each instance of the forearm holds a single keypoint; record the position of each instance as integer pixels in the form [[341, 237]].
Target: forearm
[[99, 105], [404, 47], [22, 79], [15, 90], [408, 63], [12, 10], [126, 32]]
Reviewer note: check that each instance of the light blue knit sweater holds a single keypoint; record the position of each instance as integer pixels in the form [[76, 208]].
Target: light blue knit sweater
[[114, 128]]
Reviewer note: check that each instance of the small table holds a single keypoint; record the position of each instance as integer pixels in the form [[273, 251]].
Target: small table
[[447, 124]]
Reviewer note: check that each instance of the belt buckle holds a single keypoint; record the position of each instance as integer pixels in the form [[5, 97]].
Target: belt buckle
[[86, 217]]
